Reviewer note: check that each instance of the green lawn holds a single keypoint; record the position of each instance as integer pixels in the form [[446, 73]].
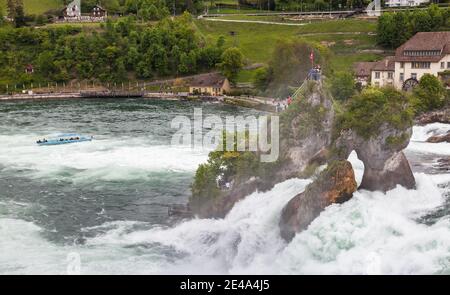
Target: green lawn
[[36, 6], [257, 41]]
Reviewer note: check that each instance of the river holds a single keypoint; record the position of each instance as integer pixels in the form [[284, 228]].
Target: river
[[105, 202]]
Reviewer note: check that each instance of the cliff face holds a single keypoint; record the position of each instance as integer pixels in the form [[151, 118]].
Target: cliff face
[[377, 125], [305, 132]]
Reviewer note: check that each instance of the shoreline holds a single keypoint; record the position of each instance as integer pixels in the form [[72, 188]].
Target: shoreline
[[259, 103]]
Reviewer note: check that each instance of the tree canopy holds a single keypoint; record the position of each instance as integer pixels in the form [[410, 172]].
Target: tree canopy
[[120, 51]]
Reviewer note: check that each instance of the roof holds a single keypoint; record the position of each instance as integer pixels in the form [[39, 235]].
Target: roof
[[98, 6], [386, 64], [207, 80], [425, 41], [362, 69]]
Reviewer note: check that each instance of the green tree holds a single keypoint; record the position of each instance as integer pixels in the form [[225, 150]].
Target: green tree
[[261, 78], [45, 63], [232, 63], [430, 94], [342, 85]]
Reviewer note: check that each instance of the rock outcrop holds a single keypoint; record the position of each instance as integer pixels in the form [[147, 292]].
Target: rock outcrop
[[305, 133], [377, 124], [440, 116], [385, 165], [439, 138], [335, 184]]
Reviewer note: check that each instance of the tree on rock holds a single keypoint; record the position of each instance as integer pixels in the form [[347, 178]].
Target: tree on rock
[[232, 63], [343, 85]]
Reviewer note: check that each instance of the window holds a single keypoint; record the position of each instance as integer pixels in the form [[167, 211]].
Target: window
[[402, 65], [420, 65], [390, 75], [421, 52], [413, 76], [377, 75], [402, 77], [448, 65], [442, 65]]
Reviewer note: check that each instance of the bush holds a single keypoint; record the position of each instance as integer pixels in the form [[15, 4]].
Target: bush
[[429, 95], [261, 78], [342, 85], [367, 111]]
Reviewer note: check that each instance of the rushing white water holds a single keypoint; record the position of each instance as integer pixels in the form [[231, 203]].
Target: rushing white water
[[102, 159], [422, 133], [373, 233]]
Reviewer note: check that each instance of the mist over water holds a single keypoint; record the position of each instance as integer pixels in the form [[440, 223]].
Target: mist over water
[[106, 200]]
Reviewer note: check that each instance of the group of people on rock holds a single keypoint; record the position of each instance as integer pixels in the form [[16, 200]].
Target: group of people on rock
[[281, 105]]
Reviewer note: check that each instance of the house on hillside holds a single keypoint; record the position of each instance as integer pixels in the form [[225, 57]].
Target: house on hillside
[[362, 72], [72, 13], [377, 73], [424, 53], [210, 84], [72, 10], [382, 72], [29, 69], [98, 12]]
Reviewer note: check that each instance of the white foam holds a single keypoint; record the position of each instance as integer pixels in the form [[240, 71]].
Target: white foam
[[104, 159], [422, 133], [371, 233]]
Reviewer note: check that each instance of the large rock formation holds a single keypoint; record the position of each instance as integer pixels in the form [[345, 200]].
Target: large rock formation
[[335, 184], [385, 165], [305, 133], [376, 124]]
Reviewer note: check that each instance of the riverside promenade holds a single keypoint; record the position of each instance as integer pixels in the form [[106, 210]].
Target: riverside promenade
[[254, 102]]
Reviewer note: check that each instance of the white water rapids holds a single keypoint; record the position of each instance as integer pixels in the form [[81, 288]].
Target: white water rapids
[[373, 233]]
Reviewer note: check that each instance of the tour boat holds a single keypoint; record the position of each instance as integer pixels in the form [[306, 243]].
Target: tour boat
[[64, 139]]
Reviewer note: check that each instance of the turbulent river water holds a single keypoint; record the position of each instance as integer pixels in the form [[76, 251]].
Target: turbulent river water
[[106, 202]]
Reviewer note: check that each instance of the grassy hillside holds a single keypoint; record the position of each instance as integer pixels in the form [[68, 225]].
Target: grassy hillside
[[350, 40], [36, 6]]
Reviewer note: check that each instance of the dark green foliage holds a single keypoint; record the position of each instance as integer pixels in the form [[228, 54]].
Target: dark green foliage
[[395, 28], [120, 50], [261, 78], [232, 63], [429, 95], [342, 85], [367, 111], [395, 141]]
